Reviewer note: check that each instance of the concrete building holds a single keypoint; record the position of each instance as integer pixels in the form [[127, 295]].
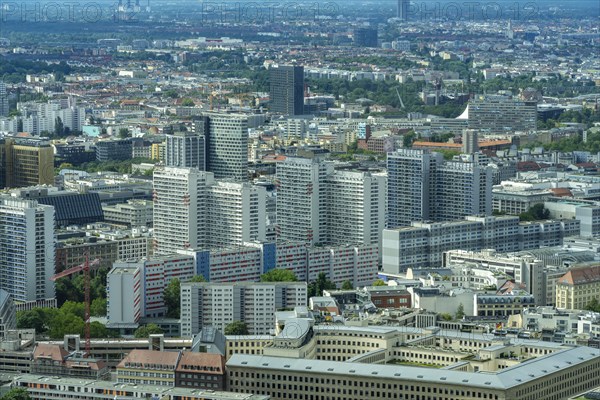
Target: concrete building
[[423, 187], [179, 210], [423, 244], [27, 250], [227, 146], [286, 89], [133, 213], [113, 150], [193, 211], [124, 293], [576, 288], [365, 37], [4, 109], [219, 304], [470, 141], [499, 114], [8, 314], [586, 212], [27, 162], [50, 388], [201, 370], [187, 150], [301, 193], [355, 207], [549, 376], [148, 367]]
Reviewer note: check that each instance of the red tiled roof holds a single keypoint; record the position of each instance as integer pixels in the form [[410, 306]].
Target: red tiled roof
[[578, 276], [201, 362]]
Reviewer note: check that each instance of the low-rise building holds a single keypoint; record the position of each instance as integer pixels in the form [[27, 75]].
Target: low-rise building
[[148, 367], [578, 287], [201, 370]]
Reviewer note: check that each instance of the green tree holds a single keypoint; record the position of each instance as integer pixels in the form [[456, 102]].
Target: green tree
[[71, 307], [145, 331], [408, 139], [236, 328], [445, 316], [32, 319], [460, 311], [124, 133], [593, 305], [322, 283], [171, 297], [98, 307], [59, 127], [197, 278], [347, 285], [98, 330], [65, 323], [279, 275], [187, 102], [378, 282], [16, 394]]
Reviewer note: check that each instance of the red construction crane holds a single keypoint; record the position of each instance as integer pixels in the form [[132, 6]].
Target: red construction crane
[[85, 267]]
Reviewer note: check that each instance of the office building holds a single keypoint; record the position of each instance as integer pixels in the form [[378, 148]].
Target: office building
[[113, 150], [365, 37], [3, 100], [28, 162], [227, 147], [501, 115], [201, 370], [54, 388], [27, 250], [421, 186], [287, 89], [423, 243], [578, 287], [403, 10], [549, 376], [470, 141], [185, 149], [148, 367], [219, 304], [133, 213]]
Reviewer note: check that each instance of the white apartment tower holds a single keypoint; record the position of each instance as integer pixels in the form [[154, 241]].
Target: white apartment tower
[[302, 199], [218, 304], [423, 187], [355, 207], [236, 214], [27, 249], [193, 211], [179, 209]]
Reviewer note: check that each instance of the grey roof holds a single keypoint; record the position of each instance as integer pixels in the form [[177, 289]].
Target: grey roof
[[502, 380]]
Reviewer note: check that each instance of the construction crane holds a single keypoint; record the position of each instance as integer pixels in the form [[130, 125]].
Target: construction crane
[[85, 267]]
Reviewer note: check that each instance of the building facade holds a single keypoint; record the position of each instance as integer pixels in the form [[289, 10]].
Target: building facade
[[185, 149], [287, 90]]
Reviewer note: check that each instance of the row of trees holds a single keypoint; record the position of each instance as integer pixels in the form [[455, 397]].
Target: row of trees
[[57, 322]]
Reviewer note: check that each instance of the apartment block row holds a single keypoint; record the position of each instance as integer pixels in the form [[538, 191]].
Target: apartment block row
[[135, 288], [219, 304], [318, 205], [423, 243], [422, 186]]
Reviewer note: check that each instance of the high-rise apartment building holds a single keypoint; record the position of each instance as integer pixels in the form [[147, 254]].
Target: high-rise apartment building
[[501, 114], [424, 187], [355, 207], [218, 304], [27, 249], [318, 205], [28, 162], [3, 100], [470, 141], [179, 209], [287, 89], [192, 210], [185, 149], [227, 147], [236, 213], [301, 199]]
